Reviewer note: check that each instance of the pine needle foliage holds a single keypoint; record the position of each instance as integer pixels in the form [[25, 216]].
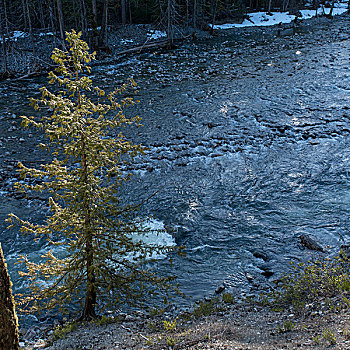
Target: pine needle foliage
[[103, 263]]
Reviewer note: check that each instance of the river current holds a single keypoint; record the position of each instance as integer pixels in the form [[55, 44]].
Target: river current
[[248, 138]]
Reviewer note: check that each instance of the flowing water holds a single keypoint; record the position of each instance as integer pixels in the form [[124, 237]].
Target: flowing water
[[248, 137]]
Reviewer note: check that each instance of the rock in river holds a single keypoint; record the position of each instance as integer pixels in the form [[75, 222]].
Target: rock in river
[[310, 243]]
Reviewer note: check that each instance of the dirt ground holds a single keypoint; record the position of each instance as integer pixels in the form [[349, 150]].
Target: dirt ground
[[240, 326]]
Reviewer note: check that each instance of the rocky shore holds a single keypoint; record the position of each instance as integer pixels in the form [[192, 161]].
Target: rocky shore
[[242, 325]]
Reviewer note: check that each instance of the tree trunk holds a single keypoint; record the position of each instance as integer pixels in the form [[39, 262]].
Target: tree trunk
[[214, 8], [4, 51], [293, 7], [89, 311], [269, 6], [31, 35], [331, 10], [104, 24], [170, 30], [124, 7], [130, 12], [94, 25], [41, 15], [3, 38], [84, 26], [195, 14], [52, 22], [9, 336], [24, 16], [61, 22]]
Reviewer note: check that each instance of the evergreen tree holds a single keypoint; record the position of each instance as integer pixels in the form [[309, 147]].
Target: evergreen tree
[[8, 319], [104, 255]]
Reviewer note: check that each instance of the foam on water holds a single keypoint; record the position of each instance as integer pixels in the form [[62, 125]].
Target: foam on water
[[156, 237]]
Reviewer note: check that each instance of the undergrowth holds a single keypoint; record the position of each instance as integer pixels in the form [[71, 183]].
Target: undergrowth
[[326, 279]]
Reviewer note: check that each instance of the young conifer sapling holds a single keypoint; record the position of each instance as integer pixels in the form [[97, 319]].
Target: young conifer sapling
[[102, 263]]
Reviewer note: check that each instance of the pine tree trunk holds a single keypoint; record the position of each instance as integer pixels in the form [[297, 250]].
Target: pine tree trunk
[[84, 26], [123, 5], [170, 29], [24, 15], [61, 22], [331, 10], [94, 25], [195, 14], [293, 7], [89, 311], [104, 24], [9, 338], [31, 36], [3, 38], [213, 9], [269, 6]]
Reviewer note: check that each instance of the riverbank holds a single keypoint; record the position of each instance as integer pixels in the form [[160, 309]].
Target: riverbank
[[242, 325], [308, 309], [23, 61]]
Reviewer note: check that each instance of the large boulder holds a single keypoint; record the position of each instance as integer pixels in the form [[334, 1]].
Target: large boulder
[[9, 338]]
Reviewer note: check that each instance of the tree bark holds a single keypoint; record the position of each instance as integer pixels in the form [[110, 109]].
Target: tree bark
[[123, 8], [3, 38], [89, 311], [170, 24], [9, 336], [195, 14], [31, 35], [61, 22], [331, 10], [94, 25], [293, 7], [24, 16], [83, 17], [213, 8], [104, 24]]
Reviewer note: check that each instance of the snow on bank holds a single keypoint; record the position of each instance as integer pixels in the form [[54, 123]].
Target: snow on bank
[[157, 34], [263, 19], [15, 35]]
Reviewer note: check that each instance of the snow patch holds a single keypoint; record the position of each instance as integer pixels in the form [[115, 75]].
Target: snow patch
[[46, 34], [14, 36], [157, 34], [126, 41], [264, 19]]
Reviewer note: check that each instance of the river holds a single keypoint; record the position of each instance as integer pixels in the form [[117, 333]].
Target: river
[[248, 137]]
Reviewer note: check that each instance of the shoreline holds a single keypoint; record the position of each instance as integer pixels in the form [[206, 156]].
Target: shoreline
[[134, 38], [242, 325]]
